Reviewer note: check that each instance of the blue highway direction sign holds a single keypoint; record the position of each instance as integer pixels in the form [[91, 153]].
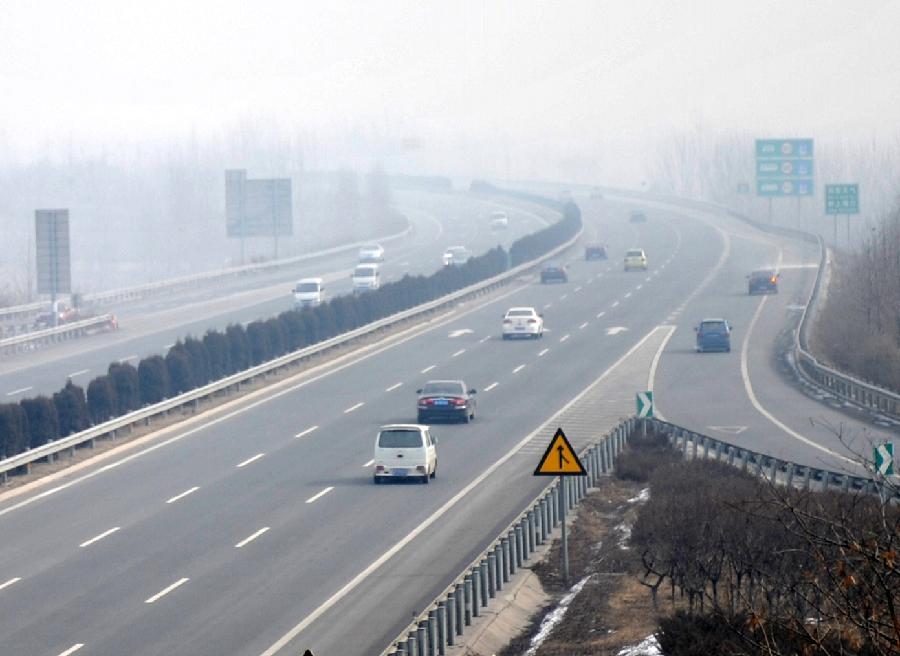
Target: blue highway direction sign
[[842, 199]]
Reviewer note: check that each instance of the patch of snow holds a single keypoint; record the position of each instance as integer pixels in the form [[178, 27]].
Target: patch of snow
[[642, 497], [624, 535], [647, 647], [554, 617]]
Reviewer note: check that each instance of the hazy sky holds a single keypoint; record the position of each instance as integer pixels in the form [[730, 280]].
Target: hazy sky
[[547, 72]]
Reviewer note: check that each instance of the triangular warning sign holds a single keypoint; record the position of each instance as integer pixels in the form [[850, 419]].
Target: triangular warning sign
[[560, 459], [307, 653]]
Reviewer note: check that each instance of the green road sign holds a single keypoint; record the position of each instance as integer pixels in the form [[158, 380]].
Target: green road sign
[[884, 459], [644, 402], [774, 188], [784, 147], [842, 199], [784, 167]]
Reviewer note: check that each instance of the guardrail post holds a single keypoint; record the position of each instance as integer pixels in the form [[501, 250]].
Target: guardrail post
[[789, 480], [468, 590], [504, 560], [529, 528], [684, 443], [451, 618], [459, 595], [845, 485], [485, 581], [731, 452], [806, 476], [422, 638], [775, 468], [499, 566], [521, 542], [412, 643], [492, 574], [430, 634], [554, 504], [745, 458], [514, 556]]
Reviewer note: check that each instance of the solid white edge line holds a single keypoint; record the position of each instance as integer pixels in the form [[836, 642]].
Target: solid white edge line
[[319, 495], [543, 352], [165, 591], [78, 373], [178, 497], [518, 369], [72, 649], [251, 538], [427, 369], [251, 459], [393, 387], [96, 538], [490, 387], [306, 432], [440, 512], [651, 378], [19, 391], [13, 580], [354, 407]]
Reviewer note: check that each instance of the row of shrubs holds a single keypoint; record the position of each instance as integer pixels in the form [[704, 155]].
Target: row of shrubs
[[194, 362]]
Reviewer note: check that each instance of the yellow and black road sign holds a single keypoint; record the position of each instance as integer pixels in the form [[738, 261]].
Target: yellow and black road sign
[[559, 459]]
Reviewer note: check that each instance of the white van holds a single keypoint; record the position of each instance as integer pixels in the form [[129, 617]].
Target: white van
[[499, 221], [309, 292], [365, 277], [405, 451]]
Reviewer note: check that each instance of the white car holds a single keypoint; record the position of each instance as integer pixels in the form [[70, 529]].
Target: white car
[[365, 277], [404, 451], [522, 322], [499, 221], [371, 253], [636, 258], [456, 255], [309, 292]]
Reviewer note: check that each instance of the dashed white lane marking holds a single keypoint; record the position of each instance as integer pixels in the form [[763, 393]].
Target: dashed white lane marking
[[458, 353], [518, 369], [490, 387], [583, 326], [578, 289], [484, 339], [356, 406], [543, 352], [639, 287], [564, 337], [563, 297], [168, 346], [13, 580], [81, 372], [427, 369], [97, 538], [648, 278], [251, 459], [178, 497], [251, 538], [72, 649], [615, 304], [547, 306], [19, 391], [369, 464], [393, 387], [628, 295], [306, 432], [600, 314], [162, 593], [319, 495]]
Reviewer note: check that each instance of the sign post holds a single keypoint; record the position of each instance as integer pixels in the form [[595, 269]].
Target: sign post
[[561, 460], [841, 199], [784, 167], [54, 274]]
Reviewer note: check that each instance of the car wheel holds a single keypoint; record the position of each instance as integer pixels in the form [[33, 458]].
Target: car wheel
[[377, 480], [426, 479], [434, 471], [467, 419]]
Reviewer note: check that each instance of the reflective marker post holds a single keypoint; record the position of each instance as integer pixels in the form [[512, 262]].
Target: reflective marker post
[[563, 494]]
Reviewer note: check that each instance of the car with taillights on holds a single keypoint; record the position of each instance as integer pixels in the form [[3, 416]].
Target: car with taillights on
[[635, 260], [456, 255], [763, 281], [713, 335], [448, 400], [403, 452], [522, 322], [554, 272], [371, 253]]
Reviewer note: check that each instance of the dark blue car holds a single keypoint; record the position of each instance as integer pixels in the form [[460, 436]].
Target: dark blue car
[[713, 335]]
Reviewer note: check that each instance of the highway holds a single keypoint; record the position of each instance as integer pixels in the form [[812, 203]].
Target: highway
[[255, 529], [151, 325]]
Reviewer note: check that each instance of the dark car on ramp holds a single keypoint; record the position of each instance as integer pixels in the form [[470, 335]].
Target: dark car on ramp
[[764, 281], [449, 400], [713, 335], [595, 252], [554, 272]]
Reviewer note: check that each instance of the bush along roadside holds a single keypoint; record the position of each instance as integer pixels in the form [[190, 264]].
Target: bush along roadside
[[193, 362]]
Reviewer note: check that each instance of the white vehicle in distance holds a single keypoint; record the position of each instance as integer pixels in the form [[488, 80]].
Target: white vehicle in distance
[[371, 253], [309, 292], [456, 255], [405, 451], [365, 278], [635, 259], [499, 221], [523, 322]]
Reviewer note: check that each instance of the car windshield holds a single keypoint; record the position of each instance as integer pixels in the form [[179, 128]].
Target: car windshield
[[520, 313], [364, 272], [712, 326], [443, 388], [763, 274], [400, 439], [308, 287], [551, 265], [634, 253]]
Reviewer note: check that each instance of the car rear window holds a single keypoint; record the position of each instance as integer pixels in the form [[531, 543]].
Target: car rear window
[[712, 326], [364, 272], [763, 274], [443, 388], [519, 313], [307, 287], [400, 439], [634, 253]]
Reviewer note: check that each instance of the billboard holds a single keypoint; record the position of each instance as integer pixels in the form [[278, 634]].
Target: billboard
[[51, 229], [257, 208]]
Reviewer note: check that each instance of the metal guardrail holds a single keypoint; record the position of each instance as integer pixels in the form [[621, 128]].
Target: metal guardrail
[[61, 333], [839, 383], [139, 291], [191, 400], [446, 618]]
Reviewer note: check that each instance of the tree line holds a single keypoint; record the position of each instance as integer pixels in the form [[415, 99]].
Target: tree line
[[196, 361], [751, 568]]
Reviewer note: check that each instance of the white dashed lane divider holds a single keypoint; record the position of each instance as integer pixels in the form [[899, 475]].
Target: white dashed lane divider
[[393, 387], [490, 387], [251, 459], [72, 649], [354, 407], [251, 538], [97, 538], [178, 497], [162, 593], [321, 494], [518, 369], [12, 581], [303, 433], [427, 369], [542, 353]]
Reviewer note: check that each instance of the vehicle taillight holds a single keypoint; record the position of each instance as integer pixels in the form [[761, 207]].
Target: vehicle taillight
[[426, 401], [532, 321], [379, 468], [420, 469], [458, 401], [773, 279], [507, 321]]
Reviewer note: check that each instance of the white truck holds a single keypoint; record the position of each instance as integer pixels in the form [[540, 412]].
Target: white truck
[[309, 292]]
